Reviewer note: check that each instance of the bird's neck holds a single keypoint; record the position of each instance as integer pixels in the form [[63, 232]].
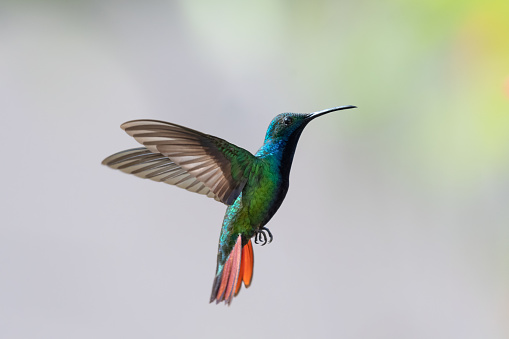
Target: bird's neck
[[280, 152]]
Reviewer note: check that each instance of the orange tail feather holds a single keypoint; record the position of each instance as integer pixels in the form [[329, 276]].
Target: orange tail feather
[[224, 280], [241, 272], [238, 268], [248, 261], [235, 256], [246, 267]]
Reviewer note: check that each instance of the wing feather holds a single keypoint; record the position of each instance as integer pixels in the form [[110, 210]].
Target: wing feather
[[219, 165], [145, 164]]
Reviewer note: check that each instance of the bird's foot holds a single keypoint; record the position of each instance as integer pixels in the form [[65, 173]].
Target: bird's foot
[[261, 236]]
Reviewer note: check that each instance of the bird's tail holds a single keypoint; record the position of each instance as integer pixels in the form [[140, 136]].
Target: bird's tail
[[238, 268]]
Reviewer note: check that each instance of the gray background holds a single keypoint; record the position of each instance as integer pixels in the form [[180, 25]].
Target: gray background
[[395, 225]]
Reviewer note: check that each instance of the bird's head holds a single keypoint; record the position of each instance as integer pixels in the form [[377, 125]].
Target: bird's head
[[288, 126]]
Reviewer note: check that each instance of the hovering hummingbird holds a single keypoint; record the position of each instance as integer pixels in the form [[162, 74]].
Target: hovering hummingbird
[[252, 186]]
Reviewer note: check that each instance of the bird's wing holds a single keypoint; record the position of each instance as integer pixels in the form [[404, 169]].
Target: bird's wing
[[155, 166], [220, 166]]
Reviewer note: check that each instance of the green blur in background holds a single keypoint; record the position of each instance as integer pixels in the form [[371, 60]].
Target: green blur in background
[[396, 224]]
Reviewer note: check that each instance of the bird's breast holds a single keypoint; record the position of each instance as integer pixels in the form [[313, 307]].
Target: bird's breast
[[264, 193]]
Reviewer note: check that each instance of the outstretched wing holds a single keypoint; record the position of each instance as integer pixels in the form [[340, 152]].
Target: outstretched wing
[[220, 166], [155, 166]]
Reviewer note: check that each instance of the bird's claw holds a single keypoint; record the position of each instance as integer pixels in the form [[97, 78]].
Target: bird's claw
[[261, 236]]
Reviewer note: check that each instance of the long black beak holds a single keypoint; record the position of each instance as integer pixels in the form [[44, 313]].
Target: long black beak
[[311, 116]]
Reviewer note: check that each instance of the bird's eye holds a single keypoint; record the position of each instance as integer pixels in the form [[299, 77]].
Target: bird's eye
[[287, 121]]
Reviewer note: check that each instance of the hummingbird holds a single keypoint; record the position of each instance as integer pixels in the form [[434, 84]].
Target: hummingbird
[[252, 186]]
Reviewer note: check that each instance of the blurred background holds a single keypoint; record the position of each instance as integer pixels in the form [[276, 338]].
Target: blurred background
[[396, 221]]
